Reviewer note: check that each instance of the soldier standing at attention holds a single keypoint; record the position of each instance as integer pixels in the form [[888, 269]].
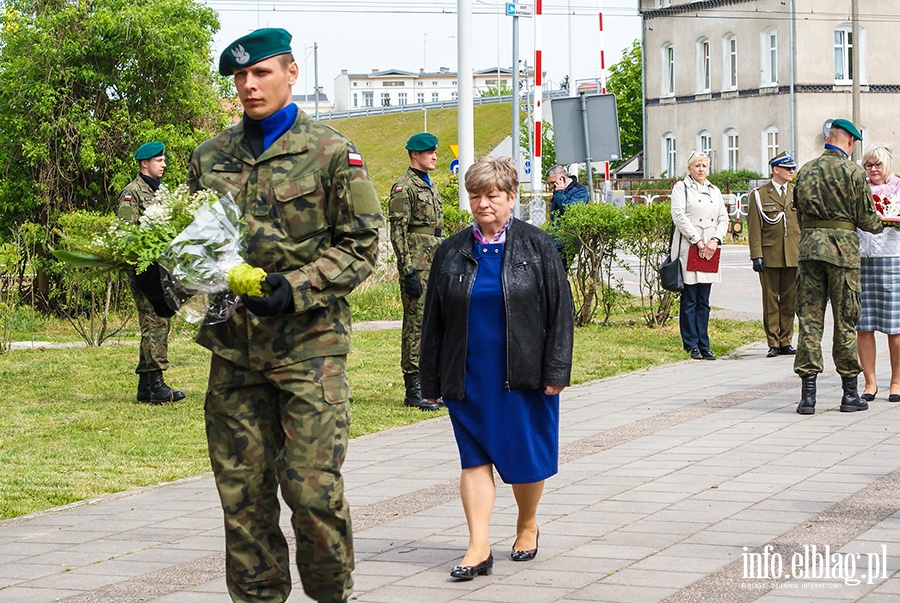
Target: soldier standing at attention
[[833, 200], [774, 245], [417, 222], [154, 350], [277, 408]]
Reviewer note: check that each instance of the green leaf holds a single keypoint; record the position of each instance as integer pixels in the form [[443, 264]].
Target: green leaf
[[82, 260]]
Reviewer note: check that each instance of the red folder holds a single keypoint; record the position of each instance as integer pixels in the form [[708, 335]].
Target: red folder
[[697, 264]]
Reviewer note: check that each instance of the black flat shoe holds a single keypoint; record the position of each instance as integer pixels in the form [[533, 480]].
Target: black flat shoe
[[773, 352], [695, 354], [870, 397], [894, 398], [707, 355], [468, 572], [787, 350], [518, 555]]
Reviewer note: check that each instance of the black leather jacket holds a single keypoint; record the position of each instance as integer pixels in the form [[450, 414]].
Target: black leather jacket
[[539, 313]]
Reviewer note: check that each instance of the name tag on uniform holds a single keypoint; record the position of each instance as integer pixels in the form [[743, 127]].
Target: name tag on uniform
[[233, 168], [768, 205]]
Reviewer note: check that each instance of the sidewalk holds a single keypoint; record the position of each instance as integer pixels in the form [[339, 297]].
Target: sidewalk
[[669, 479]]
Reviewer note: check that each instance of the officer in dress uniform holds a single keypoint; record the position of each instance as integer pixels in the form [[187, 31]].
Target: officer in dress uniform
[[774, 246], [833, 200], [417, 222], [154, 347]]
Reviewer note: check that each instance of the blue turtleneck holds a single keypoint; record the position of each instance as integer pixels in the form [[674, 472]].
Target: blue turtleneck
[[277, 124]]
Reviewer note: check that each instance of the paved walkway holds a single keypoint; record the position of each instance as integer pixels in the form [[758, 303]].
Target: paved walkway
[[686, 483]]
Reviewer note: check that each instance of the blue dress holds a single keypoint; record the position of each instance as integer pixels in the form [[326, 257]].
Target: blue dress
[[515, 430]]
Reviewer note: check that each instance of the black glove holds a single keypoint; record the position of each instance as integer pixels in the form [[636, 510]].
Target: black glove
[[149, 284], [412, 285], [759, 265], [280, 301]]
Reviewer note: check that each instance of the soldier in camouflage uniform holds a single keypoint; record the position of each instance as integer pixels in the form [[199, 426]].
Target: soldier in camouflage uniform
[[832, 200], [417, 221], [277, 411], [154, 349]]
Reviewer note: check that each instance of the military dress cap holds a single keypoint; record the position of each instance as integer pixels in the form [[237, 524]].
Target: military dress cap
[[846, 125], [149, 151], [423, 141], [256, 46], [782, 160]]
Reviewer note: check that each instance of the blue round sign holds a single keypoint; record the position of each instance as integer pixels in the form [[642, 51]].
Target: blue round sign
[[454, 166], [527, 167]]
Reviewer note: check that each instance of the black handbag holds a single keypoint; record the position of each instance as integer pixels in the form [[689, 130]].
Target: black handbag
[[670, 275]]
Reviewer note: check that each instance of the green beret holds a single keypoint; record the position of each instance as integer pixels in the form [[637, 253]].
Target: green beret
[[149, 151], [423, 141], [846, 125], [256, 46]]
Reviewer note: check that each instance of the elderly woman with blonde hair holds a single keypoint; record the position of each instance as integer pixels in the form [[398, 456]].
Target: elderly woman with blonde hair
[[879, 277], [497, 340], [701, 223]]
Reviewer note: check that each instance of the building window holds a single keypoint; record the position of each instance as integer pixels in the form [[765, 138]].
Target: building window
[[434, 97], [418, 83], [769, 49], [770, 143], [355, 100], [704, 143], [703, 65], [385, 99], [420, 97], [368, 100], [668, 70], [843, 54], [732, 152], [354, 84], [729, 44], [401, 98], [434, 83], [668, 155], [663, 3], [453, 95]]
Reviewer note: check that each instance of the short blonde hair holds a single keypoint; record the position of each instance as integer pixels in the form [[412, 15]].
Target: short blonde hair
[[490, 174], [880, 153], [697, 157]]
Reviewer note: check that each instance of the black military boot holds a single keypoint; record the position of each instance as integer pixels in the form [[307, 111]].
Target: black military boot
[[152, 389], [807, 404], [143, 393], [850, 401], [414, 393]]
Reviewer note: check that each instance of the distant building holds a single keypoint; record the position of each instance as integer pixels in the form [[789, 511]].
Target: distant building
[[395, 87], [307, 103], [717, 78]]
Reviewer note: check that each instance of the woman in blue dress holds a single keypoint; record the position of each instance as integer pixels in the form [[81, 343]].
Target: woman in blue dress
[[497, 347]]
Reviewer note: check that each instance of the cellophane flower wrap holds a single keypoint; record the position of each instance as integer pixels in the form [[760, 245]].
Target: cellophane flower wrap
[[887, 201], [198, 260]]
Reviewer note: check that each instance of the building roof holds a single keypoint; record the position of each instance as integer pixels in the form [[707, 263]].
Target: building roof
[[309, 98]]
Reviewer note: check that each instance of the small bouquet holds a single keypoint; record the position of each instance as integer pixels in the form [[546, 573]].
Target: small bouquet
[[198, 241], [888, 210]]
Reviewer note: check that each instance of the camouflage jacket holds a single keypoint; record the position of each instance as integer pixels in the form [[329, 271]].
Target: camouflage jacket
[[833, 188], [139, 196], [414, 204], [312, 215]]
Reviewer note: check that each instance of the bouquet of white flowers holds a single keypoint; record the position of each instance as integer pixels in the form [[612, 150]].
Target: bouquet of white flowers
[[197, 240]]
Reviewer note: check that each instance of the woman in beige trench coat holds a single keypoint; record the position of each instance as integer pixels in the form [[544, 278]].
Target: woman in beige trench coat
[[701, 221]]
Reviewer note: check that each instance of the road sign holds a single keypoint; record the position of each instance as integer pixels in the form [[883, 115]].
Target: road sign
[[517, 10], [569, 120], [527, 167], [454, 166], [454, 148]]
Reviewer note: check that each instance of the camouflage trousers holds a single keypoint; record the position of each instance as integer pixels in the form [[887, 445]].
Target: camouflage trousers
[[154, 350], [411, 334], [817, 283], [288, 427]]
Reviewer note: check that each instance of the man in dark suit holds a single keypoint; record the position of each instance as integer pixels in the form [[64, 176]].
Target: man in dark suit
[[774, 246]]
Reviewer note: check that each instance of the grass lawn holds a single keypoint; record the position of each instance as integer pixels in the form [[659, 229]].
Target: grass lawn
[[70, 428]]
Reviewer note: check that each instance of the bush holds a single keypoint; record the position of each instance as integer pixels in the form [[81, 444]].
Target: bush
[[646, 235]]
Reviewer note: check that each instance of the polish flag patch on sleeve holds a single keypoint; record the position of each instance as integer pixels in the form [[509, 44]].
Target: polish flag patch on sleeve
[[355, 159], [397, 189]]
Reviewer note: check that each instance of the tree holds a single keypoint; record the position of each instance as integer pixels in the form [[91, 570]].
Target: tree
[[84, 84], [504, 90], [625, 82]]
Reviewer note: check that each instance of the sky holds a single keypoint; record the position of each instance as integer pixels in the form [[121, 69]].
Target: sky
[[362, 35]]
